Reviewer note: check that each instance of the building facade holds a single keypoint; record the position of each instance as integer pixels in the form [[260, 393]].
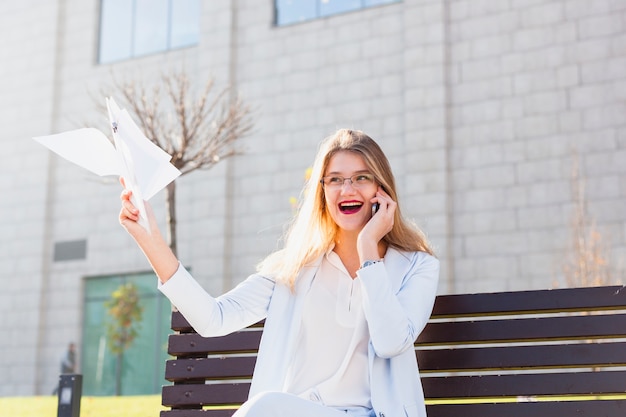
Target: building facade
[[505, 122]]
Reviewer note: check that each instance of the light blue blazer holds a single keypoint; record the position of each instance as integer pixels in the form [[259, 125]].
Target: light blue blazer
[[398, 297]]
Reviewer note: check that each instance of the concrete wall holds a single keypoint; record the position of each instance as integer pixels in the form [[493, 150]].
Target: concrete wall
[[482, 106]]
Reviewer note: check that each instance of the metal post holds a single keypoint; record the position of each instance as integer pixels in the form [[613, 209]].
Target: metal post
[[70, 393]]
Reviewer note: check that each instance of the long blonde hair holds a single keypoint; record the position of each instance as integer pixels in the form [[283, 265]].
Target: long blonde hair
[[312, 230]]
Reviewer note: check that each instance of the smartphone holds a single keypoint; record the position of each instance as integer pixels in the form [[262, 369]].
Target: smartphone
[[375, 207]]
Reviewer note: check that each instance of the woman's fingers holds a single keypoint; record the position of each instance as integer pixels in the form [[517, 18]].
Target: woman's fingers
[[386, 210], [129, 215], [128, 210], [125, 195], [385, 200]]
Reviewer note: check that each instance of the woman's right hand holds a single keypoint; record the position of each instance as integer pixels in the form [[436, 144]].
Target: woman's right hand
[[129, 214], [151, 242]]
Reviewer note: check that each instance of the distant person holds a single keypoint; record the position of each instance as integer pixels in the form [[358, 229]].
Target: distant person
[[343, 301], [68, 363]]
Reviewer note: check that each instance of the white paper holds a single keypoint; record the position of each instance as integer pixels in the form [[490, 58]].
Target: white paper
[[146, 168]]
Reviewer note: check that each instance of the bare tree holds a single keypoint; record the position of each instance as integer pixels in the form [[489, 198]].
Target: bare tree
[[587, 264], [197, 128]]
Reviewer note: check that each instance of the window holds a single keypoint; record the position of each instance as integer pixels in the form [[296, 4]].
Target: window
[[294, 11], [132, 28], [70, 250], [143, 364]]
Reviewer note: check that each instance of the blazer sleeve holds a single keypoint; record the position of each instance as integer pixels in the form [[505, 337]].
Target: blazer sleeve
[[396, 317], [240, 307]]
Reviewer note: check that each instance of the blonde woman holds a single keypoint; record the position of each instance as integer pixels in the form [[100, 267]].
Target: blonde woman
[[344, 300]]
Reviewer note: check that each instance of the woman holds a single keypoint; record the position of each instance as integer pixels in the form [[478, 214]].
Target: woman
[[344, 300]]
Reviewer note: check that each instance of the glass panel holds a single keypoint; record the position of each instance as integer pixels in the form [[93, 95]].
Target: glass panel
[[143, 364], [101, 287], [97, 363], [150, 33], [293, 11], [330, 7], [184, 24], [146, 284], [115, 30], [369, 3]]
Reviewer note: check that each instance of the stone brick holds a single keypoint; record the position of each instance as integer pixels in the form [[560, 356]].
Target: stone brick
[[603, 163], [550, 102], [477, 91], [597, 26], [544, 170], [537, 126], [480, 69], [533, 38], [497, 244], [575, 9], [534, 81], [494, 176], [603, 117], [542, 15]]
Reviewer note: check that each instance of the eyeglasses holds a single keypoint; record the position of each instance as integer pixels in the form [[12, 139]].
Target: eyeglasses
[[357, 181]]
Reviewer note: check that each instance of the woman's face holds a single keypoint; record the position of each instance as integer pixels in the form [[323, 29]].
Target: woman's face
[[348, 188]]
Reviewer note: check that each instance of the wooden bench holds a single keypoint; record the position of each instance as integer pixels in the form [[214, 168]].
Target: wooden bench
[[547, 353]]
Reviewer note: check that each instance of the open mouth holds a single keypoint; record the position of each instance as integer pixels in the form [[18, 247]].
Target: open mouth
[[350, 207]]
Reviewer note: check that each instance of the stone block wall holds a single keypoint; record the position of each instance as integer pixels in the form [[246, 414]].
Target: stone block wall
[[483, 107]]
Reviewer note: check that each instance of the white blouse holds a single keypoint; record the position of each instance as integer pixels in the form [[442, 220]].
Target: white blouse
[[331, 360]]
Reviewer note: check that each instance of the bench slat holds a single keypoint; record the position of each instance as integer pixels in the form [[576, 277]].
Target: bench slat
[[583, 383], [514, 330], [209, 368], [204, 394], [192, 343], [180, 324], [523, 357], [439, 360], [468, 386], [516, 302], [594, 408], [483, 331]]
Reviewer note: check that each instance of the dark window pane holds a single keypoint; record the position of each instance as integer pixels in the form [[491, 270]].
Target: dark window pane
[[293, 11], [115, 30], [184, 23], [70, 250]]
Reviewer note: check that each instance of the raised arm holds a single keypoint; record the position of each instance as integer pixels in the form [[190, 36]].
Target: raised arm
[[152, 243]]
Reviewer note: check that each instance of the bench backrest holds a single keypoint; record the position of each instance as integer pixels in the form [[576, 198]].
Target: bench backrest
[[515, 354]]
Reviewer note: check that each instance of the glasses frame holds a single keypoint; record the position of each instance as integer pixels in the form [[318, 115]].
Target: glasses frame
[[352, 179]]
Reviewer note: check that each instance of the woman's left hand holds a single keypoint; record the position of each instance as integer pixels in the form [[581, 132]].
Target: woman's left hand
[[379, 225]]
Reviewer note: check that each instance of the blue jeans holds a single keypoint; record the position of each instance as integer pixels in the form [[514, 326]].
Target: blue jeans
[[272, 404]]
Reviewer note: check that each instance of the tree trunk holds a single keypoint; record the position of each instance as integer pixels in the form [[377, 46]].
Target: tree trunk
[[118, 374], [170, 205]]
